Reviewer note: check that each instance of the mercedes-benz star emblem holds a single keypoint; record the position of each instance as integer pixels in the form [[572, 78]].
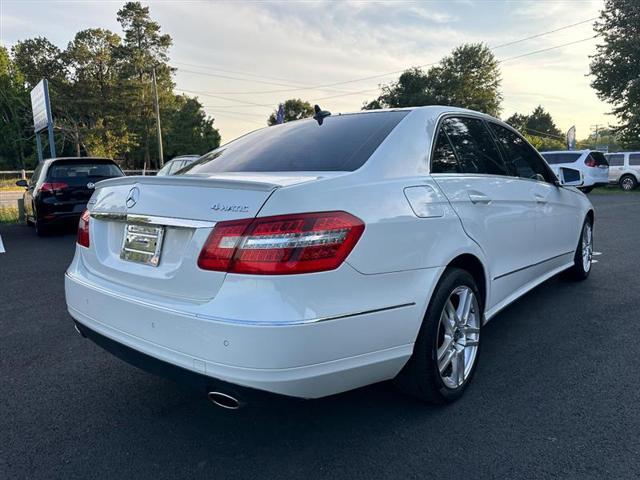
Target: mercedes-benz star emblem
[[133, 197], [91, 185]]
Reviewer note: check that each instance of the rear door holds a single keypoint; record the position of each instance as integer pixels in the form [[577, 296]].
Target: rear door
[[634, 164], [497, 211], [616, 165]]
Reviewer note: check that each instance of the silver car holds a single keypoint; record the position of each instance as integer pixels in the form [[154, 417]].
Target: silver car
[[624, 169]]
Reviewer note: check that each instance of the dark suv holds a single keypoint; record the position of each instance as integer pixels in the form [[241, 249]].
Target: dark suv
[[60, 188]]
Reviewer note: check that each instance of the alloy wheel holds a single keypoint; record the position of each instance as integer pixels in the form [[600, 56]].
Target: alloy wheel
[[458, 337], [627, 184], [587, 246]]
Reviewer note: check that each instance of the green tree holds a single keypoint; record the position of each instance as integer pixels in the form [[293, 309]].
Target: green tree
[[537, 122], [616, 66], [94, 118], [14, 117], [468, 78], [143, 49], [189, 131], [294, 109]]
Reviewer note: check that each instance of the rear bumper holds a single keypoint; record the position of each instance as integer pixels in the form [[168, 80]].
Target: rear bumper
[[180, 375], [309, 360]]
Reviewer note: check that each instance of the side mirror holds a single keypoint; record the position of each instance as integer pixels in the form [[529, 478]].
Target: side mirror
[[22, 183], [570, 177]]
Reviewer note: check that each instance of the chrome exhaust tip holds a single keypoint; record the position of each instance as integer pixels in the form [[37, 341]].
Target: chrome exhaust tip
[[75, 326], [224, 400]]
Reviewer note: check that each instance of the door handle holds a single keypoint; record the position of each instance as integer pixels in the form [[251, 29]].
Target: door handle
[[540, 199], [477, 197]]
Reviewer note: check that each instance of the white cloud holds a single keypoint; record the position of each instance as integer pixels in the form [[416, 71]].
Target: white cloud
[[314, 43]]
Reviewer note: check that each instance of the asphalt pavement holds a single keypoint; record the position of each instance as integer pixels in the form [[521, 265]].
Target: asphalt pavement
[[556, 393]]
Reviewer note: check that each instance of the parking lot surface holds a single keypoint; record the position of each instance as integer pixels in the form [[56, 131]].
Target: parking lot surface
[[556, 393]]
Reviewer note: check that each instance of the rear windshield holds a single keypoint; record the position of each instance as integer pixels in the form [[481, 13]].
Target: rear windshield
[[341, 143], [555, 158], [82, 169]]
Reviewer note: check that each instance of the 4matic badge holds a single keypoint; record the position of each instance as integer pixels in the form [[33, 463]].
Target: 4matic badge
[[221, 207]]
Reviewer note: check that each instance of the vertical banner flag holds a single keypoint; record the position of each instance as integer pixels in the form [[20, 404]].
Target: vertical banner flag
[[280, 114], [571, 138]]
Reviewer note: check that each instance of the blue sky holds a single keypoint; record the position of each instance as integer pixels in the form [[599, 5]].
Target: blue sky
[[244, 57]]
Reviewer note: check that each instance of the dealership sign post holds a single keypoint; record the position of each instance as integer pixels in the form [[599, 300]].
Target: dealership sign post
[[42, 117]]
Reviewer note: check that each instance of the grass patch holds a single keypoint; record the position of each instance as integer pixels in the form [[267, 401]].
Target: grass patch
[[9, 185], [613, 190], [8, 214]]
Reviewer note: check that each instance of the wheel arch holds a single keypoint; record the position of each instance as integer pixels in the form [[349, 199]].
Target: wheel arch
[[472, 264]]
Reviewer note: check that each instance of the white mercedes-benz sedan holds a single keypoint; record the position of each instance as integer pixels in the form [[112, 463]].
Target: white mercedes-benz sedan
[[321, 255]]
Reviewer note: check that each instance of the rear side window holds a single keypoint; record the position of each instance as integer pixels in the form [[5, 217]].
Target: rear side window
[[341, 143], [634, 159], [83, 170], [599, 158], [521, 160], [616, 160], [474, 148], [556, 158], [443, 159]]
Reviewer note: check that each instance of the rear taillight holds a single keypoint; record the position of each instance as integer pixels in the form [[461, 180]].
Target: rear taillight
[[590, 162], [53, 186], [284, 244], [83, 229]]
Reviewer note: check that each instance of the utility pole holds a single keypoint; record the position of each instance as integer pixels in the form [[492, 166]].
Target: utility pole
[[157, 105], [597, 129]]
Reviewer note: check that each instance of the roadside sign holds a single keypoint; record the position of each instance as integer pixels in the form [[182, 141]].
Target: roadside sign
[[40, 107], [603, 148], [42, 118]]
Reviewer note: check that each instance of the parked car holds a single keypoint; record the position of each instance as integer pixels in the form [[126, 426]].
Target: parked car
[[175, 164], [321, 255], [624, 169], [59, 189], [591, 163]]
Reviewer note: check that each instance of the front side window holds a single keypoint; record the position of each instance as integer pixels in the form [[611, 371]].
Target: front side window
[[616, 160], [36, 174], [634, 159], [521, 159], [474, 148]]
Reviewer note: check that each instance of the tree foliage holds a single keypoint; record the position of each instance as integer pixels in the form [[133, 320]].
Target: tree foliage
[[468, 78], [294, 109], [101, 95], [539, 128], [616, 65]]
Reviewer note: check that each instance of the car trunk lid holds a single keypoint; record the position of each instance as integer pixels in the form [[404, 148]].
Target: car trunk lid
[[176, 212]]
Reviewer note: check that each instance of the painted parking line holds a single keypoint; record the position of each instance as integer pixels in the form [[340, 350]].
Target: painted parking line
[[2, 250]]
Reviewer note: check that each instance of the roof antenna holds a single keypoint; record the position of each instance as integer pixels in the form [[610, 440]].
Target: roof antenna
[[320, 114]]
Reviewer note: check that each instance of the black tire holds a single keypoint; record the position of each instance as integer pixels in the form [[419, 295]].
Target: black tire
[[578, 271], [586, 189], [628, 183], [42, 230], [421, 377]]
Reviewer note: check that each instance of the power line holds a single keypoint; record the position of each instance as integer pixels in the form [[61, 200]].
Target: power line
[[370, 77], [542, 34], [546, 49]]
